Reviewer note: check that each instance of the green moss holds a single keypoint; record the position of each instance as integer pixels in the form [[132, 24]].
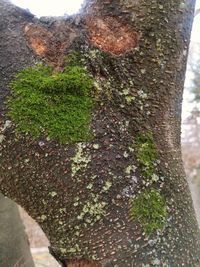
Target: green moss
[[146, 153], [57, 105], [74, 59], [149, 208]]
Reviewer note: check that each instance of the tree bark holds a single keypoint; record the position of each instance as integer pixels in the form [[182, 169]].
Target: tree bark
[[14, 245], [83, 195]]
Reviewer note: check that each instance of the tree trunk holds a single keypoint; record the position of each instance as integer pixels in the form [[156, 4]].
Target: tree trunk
[[118, 196], [14, 246]]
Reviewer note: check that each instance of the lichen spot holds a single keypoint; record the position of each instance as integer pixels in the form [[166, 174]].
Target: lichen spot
[[111, 35], [80, 159]]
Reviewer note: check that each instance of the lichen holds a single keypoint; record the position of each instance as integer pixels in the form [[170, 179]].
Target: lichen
[[43, 217], [52, 194], [89, 186], [149, 208], [130, 168], [125, 154], [92, 210], [6, 125], [129, 99], [96, 146], [56, 105], [107, 186], [126, 94], [142, 94], [146, 153], [2, 137], [80, 159]]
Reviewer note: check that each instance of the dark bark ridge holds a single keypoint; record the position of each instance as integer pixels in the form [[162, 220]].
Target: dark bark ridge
[[82, 194]]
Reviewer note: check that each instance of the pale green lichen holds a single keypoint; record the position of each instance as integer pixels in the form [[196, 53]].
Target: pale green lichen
[[183, 5], [106, 186], [143, 71], [53, 194], [92, 210], [129, 169], [74, 249], [125, 91], [89, 186], [96, 146], [63, 250], [123, 125], [93, 53], [129, 99], [131, 149], [127, 95], [155, 178], [71, 250], [2, 137], [43, 218], [6, 125], [62, 210], [125, 154], [76, 204], [142, 94], [80, 159]]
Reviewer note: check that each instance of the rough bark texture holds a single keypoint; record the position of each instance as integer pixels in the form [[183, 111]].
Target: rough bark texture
[[83, 194], [14, 245]]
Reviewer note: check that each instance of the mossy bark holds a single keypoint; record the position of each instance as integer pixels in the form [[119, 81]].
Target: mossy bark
[[82, 194]]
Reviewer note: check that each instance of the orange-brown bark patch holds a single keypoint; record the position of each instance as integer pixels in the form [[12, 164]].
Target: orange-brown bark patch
[[38, 38], [50, 44], [111, 35]]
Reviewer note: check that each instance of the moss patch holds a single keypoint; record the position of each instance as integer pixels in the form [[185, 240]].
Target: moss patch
[[149, 208], [57, 105], [146, 153]]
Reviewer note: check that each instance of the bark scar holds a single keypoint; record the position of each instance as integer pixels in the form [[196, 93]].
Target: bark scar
[[50, 44], [111, 35]]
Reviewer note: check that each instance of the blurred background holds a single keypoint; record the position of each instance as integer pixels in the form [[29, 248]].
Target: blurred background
[[190, 141], [191, 115]]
